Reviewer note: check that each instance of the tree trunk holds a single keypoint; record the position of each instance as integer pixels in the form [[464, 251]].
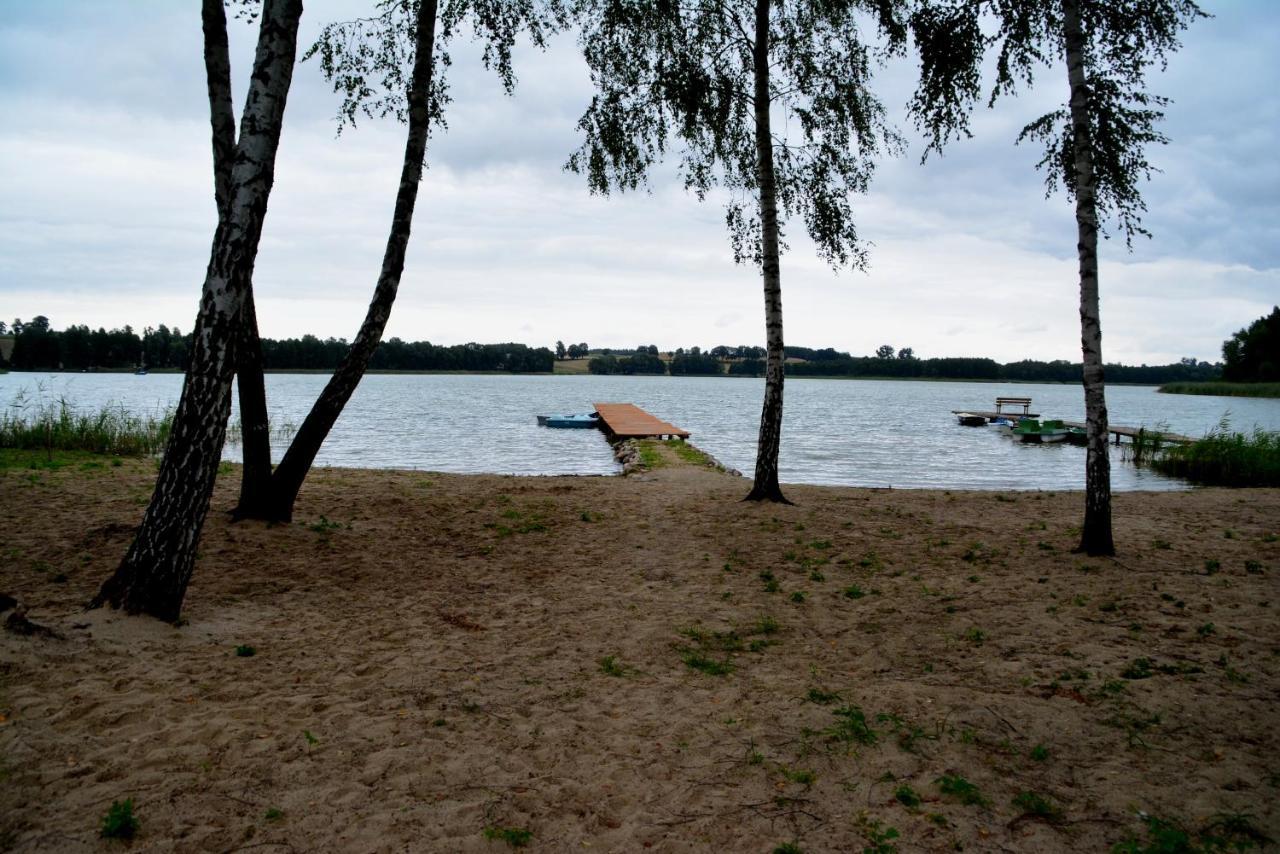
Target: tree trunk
[[292, 471], [255, 430], [1095, 537], [765, 487], [255, 481], [154, 574]]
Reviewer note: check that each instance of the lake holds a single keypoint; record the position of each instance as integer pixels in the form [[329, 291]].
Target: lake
[[840, 432]]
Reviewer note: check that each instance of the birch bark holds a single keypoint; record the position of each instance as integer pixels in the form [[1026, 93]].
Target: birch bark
[[1096, 535], [255, 479], [292, 471], [155, 572], [765, 486]]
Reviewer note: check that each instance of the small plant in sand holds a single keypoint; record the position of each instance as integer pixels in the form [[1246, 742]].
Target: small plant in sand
[[273, 814], [955, 786], [788, 848], [324, 526], [850, 727], [771, 584], [516, 837], [822, 698], [311, 739], [120, 822], [906, 796], [1039, 753], [706, 644], [246, 651], [853, 591], [1222, 833], [610, 666], [879, 839], [704, 664], [907, 733], [802, 776], [1035, 805]]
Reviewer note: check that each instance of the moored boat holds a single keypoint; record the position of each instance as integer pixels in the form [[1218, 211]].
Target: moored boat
[[1044, 433], [968, 419], [591, 419]]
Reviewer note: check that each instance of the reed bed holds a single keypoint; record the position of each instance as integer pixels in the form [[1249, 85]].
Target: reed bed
[[59, 427], [1224, 389], [1224, 458]]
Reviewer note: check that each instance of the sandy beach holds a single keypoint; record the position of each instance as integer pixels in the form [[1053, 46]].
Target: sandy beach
[[443, 662]]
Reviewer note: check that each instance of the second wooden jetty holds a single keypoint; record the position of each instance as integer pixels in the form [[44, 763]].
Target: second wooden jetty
[[628, 421]]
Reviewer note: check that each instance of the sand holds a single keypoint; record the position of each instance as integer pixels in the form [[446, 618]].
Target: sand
[[429, 648]]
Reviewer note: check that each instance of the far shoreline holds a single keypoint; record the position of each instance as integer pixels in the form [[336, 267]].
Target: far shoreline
[[394, 372]]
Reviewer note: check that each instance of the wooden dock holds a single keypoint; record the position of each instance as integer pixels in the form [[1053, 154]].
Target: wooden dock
[[628, 421], [1132, 432], [990, 415], [1116, 430]]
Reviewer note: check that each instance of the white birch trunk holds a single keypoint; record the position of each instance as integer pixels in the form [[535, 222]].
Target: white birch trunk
[[154, 574], [765, 486], [1095, 537]]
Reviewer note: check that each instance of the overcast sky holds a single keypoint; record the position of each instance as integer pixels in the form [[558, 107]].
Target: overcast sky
[[107, 208]]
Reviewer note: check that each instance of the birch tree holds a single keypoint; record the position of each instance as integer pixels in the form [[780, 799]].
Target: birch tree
[[1094, 144], [154, 574], [366, 61], [769, 102], [255, 436]]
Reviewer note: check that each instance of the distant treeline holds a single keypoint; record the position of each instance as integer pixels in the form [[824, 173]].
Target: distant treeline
[[37, 346], [749, 361], [1027, 370]]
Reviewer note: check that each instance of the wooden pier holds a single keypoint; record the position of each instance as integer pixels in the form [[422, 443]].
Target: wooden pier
[[1116, 430], [990, 416], [628, 421], [1132, 432]]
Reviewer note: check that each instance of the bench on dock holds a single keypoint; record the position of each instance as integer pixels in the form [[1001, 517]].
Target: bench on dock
[[1024, 402]]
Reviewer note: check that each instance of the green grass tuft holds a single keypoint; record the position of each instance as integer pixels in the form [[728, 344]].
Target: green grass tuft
[[120, 822], [961, 789], [516, 837]]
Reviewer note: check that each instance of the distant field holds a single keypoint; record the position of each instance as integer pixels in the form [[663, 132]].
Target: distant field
[[570, 366], [1224, 389]]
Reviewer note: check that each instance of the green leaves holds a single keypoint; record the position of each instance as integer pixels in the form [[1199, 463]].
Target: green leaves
[[1123, 40], [369, 61], [682, 77]]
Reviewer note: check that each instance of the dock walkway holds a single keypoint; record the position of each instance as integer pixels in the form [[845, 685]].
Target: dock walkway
[[1132, 432], [1116, 430], [628, 421]]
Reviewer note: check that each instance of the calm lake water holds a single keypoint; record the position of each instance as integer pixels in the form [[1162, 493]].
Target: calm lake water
[[843, 432]]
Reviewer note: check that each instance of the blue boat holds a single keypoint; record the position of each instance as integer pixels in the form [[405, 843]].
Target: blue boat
[[591, 419]]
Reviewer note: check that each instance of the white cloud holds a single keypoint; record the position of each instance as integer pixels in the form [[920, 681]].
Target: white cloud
[[106, 211]]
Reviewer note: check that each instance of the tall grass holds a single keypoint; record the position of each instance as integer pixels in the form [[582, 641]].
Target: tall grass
[[1223, 458], [1224, 389], [59, 427], [1145, 447]]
